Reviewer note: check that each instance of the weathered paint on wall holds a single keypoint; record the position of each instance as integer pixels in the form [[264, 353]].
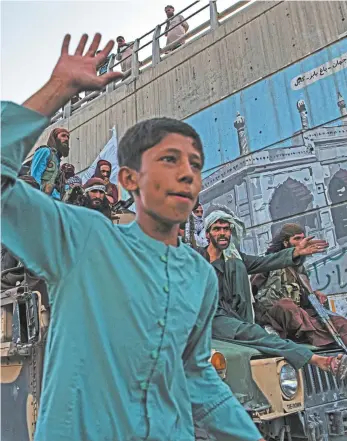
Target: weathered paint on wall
[[289, 145], [269, 107]]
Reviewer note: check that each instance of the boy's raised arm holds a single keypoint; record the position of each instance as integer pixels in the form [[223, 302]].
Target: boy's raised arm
[[46, 236]]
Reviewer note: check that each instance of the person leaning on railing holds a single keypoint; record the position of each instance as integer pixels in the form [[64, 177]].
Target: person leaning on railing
[[124, 50], [175, 28]]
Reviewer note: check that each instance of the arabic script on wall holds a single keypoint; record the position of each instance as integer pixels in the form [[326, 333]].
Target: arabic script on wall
[[319, 72]]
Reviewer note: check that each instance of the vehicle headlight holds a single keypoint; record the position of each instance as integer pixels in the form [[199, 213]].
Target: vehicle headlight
[[288, 381], [219, 362]]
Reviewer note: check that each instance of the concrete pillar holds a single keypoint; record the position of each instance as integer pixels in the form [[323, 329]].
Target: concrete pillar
[[213, 15], [67, 110], [135, 66], [156, 46]]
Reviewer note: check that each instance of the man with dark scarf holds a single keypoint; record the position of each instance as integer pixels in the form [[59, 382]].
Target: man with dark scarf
[[232, 322], [282, 297], [45, 167], [103, 171], [95, 196], [67, 172]]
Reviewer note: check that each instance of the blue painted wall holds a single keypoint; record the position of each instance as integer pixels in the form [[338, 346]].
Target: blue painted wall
[[269, 108], [296, 168]]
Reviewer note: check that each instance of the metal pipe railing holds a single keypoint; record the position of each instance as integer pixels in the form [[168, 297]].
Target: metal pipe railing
[[233, 8], [187, 36], [137, 66]]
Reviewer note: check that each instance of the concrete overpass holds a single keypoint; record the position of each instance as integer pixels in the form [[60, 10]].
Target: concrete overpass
[[233, 50]]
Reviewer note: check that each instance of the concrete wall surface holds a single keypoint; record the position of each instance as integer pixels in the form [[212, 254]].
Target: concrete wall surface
[[267, 93], [252, 44]]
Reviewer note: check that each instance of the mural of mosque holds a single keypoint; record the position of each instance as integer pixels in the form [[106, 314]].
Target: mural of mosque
[[304, 181]]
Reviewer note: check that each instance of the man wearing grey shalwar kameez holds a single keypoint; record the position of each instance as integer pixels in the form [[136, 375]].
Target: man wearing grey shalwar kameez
[[234, 319]]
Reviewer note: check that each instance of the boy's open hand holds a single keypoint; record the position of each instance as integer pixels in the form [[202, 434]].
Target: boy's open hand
[[78, 72]]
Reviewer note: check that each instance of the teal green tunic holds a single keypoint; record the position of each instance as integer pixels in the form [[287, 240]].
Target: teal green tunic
[[127, 355]]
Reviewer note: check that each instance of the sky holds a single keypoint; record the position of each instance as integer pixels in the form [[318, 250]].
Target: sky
[[32, 33]]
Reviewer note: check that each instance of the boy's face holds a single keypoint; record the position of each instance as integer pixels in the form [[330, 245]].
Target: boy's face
[[169, 180]]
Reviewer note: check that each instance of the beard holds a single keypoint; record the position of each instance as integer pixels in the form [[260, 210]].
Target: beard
[[96, 203], [216, 243], [64, 149]]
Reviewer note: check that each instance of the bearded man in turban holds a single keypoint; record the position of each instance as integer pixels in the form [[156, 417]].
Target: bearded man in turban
[[103, 171], [224, 232], [282, 297], [95, 192], [45, 167], [233, 320]]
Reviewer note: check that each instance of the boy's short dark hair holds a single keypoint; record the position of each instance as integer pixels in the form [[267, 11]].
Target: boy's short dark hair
[[120, 38], [146, 134]]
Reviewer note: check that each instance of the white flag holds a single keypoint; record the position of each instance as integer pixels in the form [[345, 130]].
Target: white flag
[[109, 153]]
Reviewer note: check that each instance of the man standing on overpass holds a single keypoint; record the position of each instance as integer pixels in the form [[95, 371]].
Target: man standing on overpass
[[175, 28], [127, 357]]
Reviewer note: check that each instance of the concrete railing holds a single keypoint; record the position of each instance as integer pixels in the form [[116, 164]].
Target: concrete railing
[[157, 53]]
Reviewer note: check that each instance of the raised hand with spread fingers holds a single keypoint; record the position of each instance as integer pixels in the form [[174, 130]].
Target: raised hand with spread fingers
[[72, 74]]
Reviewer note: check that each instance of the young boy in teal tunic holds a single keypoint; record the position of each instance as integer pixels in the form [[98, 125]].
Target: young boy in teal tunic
[[127, 356]]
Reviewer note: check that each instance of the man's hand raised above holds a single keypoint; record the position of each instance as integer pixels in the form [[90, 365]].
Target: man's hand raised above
[[309, 246], [72, 74]]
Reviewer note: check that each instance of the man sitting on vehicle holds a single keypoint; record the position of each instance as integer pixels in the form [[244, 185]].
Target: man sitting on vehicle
[[232, 266], [282, 297], [45, 167]]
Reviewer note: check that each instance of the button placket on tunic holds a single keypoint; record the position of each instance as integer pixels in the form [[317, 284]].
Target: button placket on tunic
[[111, 373], [155, 354]]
